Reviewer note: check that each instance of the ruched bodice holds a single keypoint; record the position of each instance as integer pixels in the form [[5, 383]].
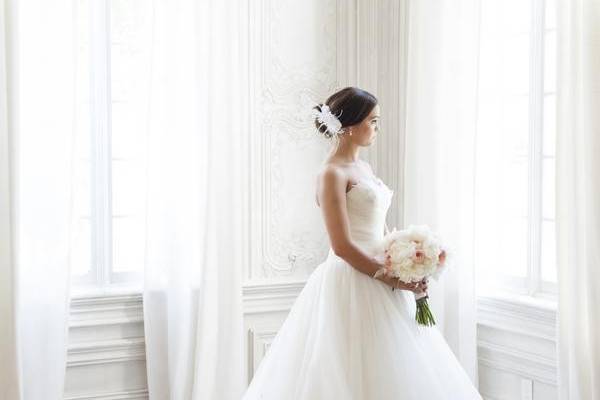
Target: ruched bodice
[[367, 204]]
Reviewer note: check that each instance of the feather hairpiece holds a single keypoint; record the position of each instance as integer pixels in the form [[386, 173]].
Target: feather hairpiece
[[328, 119]]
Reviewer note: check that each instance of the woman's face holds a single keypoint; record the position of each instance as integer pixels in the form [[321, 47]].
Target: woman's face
[[363, 133]]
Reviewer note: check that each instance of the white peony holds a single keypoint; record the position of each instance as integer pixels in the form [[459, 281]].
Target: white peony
[[414, 253]]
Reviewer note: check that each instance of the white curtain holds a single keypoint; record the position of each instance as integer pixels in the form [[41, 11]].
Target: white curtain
[[9, 368], [578, 198], [36, 143], [197, 145], [440, 147]]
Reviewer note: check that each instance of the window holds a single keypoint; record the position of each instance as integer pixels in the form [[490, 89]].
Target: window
[[515, 240], [112, 80]]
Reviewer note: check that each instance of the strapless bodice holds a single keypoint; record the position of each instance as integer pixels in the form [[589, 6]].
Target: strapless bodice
[[367, 204]]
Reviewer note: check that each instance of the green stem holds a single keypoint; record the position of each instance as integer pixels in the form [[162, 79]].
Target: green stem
[[423, 315]]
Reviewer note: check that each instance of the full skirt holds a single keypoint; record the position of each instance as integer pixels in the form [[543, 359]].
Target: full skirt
[[349, 336]]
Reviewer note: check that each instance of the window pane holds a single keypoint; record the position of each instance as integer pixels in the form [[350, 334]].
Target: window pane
[[127, 139], [516, 64], [548, 188], [550, 62], [548, 251], [516, 186], [81, 190], [501, 229], [550, 14], [81, 251], [128, 244], [513, 248], [502, 159], [130, 75], [504, 46], [83, 55], [549, 136], [130, 81], [127, 187], [81, 240], [83, 123], [130, 48], [515, 123], [516, 15]]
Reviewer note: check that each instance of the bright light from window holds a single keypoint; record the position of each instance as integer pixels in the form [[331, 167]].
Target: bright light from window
[[515, 147], [113, 66]]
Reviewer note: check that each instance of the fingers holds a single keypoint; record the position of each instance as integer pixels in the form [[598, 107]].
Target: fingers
[[412, 286], [398, 283], [420, 286], [416, 287]]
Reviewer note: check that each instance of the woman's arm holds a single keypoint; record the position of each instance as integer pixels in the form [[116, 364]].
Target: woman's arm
[[332, 198]]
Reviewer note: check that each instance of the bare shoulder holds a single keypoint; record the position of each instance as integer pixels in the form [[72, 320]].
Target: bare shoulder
[[331, 180], [332, 175]]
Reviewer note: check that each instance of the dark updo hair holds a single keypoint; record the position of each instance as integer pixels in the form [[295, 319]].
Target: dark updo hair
[[351, 105]]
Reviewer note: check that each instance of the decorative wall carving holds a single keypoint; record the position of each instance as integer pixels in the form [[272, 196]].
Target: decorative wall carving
[[292, 70]]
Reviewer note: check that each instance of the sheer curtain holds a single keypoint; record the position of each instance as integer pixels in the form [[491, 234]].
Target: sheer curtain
[[440, 147], [197, 145], [36, 143], [9, 368], [578, 199]]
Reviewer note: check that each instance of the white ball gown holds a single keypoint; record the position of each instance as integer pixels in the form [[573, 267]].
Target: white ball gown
[[350, 337]]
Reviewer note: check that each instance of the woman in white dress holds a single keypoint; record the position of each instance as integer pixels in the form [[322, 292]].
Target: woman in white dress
[[348, 335]]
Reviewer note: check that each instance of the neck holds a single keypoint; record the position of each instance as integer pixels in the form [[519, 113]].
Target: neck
[[347, 151]]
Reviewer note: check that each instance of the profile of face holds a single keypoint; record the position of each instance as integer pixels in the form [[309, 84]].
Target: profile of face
[[363, 133]]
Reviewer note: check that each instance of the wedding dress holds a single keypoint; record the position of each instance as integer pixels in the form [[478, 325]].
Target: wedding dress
[[350, 337]]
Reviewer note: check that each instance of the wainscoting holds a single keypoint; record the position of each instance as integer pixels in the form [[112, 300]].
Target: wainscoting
[[516, 345], [106, 356]]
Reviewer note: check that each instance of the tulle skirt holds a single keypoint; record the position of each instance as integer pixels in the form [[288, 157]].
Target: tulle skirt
[[349, 336]]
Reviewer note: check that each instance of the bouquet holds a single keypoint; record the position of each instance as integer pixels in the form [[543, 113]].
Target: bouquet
[[413, 254]]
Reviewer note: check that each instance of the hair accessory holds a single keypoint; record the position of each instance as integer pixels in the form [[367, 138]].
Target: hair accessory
[[331, 121]]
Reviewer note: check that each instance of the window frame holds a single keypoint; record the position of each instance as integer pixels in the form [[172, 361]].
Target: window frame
[[532, 285], [101, 273]]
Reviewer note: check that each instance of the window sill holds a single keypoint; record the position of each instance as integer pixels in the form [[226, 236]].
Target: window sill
[[542, 301], [528, 315], [105, 306], [82, 292]]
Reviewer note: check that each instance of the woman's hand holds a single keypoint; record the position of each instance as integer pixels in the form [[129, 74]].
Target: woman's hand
[[415, 287], [395, 283]]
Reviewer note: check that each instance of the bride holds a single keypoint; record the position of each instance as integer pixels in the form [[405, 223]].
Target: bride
[[348, 335]]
